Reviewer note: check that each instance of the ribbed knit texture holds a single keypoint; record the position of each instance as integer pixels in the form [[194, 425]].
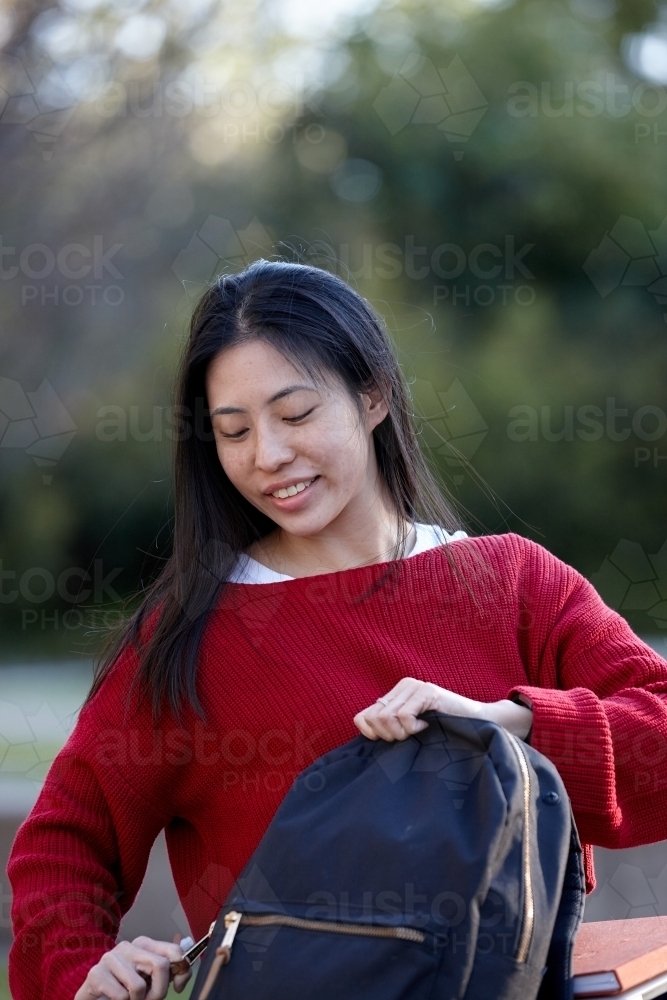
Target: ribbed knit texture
[[284, 668]]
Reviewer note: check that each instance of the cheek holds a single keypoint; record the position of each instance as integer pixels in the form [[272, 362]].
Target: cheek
[[343, 449], [232, 464]]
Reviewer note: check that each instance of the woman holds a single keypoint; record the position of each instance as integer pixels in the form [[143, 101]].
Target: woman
[[318, 579]]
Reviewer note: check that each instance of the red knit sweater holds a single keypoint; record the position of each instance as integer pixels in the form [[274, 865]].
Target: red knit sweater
[[284, 668]]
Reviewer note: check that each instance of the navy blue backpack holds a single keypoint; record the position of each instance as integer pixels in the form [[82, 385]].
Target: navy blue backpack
[[443, 866]]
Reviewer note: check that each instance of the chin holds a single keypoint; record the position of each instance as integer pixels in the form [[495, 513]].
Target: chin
[[305, 523], [303, 529]]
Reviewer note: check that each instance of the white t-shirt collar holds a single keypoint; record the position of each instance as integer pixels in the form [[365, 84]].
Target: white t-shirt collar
[[249, 570]]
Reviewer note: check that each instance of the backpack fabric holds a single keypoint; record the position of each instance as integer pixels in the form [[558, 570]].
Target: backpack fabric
[[443, 866]]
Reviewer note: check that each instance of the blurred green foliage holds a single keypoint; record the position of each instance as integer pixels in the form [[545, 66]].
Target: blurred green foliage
[[538, 169]]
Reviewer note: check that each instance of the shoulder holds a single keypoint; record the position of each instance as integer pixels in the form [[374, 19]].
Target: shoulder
[[509, 575], [515, 552], [120, 746], [512, 565], [119, 708], [111, 692], [506, 551]]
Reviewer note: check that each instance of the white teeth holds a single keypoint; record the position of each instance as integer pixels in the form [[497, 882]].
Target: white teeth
[[291, 491]]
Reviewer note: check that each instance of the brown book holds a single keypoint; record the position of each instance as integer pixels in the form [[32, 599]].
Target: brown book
[[612, 956]]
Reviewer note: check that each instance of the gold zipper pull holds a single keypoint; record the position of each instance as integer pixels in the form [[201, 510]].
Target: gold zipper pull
[[223, 952], [232, 921]]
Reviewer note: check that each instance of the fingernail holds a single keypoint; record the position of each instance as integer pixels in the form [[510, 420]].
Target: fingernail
[[186, 943]]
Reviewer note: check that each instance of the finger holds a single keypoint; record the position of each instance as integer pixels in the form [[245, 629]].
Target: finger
[[399, 716], [380, 720], [180, 982], [364, 726], [370, 725], [383, 720], [150, 965], [154, 958], [159, 982], [102, 983], [405, 686], [420, 701], [408, 692], [168, 949], [116, 963], [382, 728], [411, 724], [156, 967], [386, 722]]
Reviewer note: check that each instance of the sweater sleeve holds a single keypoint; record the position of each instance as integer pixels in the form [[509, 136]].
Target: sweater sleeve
[[599, 698], [76, 865]]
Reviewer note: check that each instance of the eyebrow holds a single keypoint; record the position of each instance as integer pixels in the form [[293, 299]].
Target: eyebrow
[[276, 396]]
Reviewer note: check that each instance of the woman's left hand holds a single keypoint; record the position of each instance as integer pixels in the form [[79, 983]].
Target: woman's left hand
[[394, 717]]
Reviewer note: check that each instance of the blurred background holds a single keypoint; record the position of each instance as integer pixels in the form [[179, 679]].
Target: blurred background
[[490, 175]]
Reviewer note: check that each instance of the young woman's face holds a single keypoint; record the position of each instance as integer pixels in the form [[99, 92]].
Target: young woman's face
[[299, 452]]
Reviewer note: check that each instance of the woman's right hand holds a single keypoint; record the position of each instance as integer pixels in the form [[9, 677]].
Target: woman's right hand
[[136, 970]]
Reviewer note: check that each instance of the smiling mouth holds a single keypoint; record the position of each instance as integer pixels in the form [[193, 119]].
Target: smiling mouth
[[291, 491]]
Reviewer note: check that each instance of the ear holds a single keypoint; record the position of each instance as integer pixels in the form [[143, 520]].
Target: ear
[[375, 408]]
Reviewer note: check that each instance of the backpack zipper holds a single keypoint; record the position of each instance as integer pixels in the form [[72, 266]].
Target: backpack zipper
[[233, 920], [528, 898]]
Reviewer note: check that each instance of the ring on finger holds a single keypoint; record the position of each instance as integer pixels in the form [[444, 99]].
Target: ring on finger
[[383, 701]]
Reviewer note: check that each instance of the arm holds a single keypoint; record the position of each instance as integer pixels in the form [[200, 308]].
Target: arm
[[77, 864], [599, 699], [595, 702], [73, 875]]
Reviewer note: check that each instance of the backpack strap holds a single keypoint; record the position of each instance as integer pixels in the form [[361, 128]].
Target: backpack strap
[[557, 981]]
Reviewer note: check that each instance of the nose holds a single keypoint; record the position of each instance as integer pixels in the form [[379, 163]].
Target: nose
[[272, 450]]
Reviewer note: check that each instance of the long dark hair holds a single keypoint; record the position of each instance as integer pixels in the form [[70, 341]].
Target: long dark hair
[[323, 327]]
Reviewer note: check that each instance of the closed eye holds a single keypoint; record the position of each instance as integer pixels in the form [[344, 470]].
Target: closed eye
[[236, 435], [289, 420], [292, 420]]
